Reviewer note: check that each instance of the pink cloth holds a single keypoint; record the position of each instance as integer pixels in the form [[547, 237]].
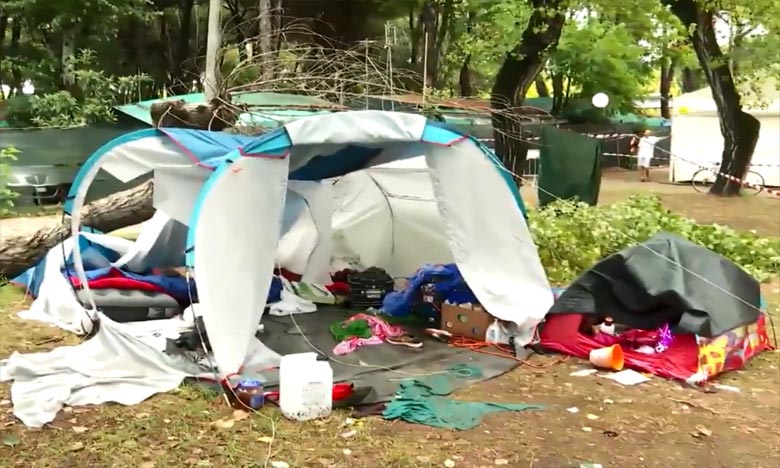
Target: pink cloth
[[380, 331], [351, 344], [379, 327]]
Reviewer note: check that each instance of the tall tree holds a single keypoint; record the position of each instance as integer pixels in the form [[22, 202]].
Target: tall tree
[[213, 44], [521, 66], [740, 130]]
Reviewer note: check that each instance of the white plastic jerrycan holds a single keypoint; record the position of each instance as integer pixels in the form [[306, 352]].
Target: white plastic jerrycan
[[305, 386]]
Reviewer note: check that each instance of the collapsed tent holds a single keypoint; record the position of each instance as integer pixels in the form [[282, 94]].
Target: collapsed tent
[[712, 306], [234, 207]]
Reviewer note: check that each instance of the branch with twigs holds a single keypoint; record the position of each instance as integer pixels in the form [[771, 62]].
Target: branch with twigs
[[307, 63]]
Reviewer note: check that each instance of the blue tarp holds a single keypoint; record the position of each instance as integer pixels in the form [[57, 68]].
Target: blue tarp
[[205, 145], [448, 283]]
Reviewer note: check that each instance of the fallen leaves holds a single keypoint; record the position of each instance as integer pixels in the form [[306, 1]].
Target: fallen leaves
[[227, 423], [79, 429], [75, 447], [702, 431]]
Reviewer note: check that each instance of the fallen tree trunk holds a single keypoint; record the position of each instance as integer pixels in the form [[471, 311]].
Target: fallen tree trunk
[[122, 209]]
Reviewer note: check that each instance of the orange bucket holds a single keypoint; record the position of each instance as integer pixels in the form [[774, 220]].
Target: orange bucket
[[608, 358]]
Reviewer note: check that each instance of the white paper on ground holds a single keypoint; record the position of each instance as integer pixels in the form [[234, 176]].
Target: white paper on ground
[[626, 377], [583, 372]]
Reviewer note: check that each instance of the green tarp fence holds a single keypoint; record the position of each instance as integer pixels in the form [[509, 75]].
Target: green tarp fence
[[569, 166], [67, 147]]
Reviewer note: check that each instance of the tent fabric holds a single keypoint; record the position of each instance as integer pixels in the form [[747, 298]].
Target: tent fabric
[[569, 166], [237, 208], [137, 153], [666, 279]]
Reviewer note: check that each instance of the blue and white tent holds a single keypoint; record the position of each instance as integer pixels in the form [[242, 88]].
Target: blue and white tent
[[237, 196]]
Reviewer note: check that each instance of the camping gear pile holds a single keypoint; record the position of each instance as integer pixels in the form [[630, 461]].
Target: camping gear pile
[[351, 190], [675, 309], [341, 205]]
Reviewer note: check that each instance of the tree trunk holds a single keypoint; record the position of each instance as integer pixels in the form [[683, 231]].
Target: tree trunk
[[414, 37], [516, 75], [665, 88], [541, 86], [3, 28], [464, 78], [429, 22], [127, 208], [182, 54], [68, 54], [266, 36], [690, 80], [740, 129], [16, 74], [213, 116], [214, 42], [558, 92]]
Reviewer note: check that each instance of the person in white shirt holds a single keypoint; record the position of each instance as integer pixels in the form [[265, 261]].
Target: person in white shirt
[[645, 147]]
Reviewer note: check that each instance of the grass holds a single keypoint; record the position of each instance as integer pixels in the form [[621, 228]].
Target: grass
[[656, 424]]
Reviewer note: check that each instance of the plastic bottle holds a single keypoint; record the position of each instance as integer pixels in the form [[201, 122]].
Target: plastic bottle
[[496, 333], [607, 327], [305, 386]]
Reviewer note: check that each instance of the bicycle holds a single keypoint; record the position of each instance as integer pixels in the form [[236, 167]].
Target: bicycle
[[705, 177]]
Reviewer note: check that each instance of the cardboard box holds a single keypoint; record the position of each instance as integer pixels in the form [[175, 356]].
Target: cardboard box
[[470, 321]]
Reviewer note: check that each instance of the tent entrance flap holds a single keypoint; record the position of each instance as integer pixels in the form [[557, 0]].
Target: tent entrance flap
[[232, 247], [509, 281]]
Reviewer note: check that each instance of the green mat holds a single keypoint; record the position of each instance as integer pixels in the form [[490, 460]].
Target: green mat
[[425, 401]]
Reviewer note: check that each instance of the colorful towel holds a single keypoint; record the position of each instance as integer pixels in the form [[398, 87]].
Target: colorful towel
[[379, 332]]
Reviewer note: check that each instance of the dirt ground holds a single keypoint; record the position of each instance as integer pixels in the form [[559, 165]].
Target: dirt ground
[[655, 424]]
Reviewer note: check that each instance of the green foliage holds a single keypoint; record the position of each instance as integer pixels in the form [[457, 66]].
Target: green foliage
[[594, 56], [97, 92], [7, 154], [573, 237]]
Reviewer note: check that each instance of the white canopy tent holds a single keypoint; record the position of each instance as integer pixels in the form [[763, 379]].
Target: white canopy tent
[[238, 204], [697, 140]]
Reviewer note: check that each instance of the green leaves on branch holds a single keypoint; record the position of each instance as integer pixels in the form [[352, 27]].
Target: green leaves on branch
[[573, 237], [7, 155], [93, 99]]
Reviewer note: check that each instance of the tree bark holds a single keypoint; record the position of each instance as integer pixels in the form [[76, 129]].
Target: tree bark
[[541, 86], [3, 28], [740, 130], [266, 36], [465, 79], [127, 208], [68, 54], [214, 42], [667, 74], [16, 74], [214, 116], [691, 81], [414, 32], [516, 75]]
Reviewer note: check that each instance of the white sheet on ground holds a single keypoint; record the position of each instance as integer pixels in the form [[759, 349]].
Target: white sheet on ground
[[291, 303], [112, 366]]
